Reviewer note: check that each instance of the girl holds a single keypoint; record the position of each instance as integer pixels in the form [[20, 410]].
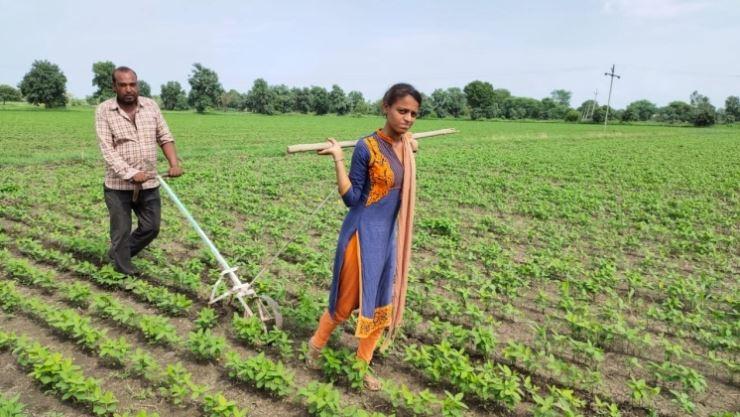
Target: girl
[[374, 247]]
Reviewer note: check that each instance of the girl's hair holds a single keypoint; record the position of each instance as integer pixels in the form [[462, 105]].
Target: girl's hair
[[399, 91]]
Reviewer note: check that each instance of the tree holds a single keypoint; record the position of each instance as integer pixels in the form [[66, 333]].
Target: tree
[[561, 97], [357, 103], [456, 101], [426, 106], [702, 111], [480, 97], [338, 101], [205, 89], [232, 99], [376, 107], [732, 107], [319, 99], [703, 115], [8, 93], [450, 102], [500, 95], [551, 109], [572, 116], [44, 84], [439, 102], [675, 112], [696, 99], [600, 114], [283, 99], [301, 99], [145, 90], [103, 79], [260, 99], [640, 110], [173, 96], [723, 117], [521, 108]]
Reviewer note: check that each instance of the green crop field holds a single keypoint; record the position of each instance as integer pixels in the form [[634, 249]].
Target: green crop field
[[558, 270]]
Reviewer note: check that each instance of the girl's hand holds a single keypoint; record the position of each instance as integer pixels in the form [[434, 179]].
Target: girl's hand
[[332, 149]]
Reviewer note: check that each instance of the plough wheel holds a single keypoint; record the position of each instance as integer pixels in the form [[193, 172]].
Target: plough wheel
[[268, 311]]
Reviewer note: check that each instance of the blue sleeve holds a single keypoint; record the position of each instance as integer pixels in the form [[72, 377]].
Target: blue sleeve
[[357, 174]]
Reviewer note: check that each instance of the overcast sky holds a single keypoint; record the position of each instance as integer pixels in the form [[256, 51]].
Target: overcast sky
[[663, 49]]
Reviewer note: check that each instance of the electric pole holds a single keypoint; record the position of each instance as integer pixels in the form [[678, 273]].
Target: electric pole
[[609, 101], [590, 114]]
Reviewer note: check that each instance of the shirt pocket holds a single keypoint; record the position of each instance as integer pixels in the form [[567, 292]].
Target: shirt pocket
[[148, 126], [124, 135]]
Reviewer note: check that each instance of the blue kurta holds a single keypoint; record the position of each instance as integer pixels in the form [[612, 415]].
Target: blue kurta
[[374, 198]]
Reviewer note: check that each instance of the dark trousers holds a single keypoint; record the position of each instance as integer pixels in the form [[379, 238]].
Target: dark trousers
[[124, 244]]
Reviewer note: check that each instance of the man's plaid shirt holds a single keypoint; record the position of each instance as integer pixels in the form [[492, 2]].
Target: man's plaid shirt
[[127, 147]]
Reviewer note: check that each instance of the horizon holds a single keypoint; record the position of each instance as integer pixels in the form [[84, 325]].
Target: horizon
[[663, 49]]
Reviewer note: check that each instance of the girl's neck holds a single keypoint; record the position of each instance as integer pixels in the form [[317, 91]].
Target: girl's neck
[[391, 133]]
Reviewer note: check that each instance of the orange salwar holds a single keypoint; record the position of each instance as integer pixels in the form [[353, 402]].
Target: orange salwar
[[348, 300]]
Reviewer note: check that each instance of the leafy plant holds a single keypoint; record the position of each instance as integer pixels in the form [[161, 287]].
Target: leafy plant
[[11, 407], [77, 294], [62, 376], [604, 408], [343, 365], [641, 391], [9, 298], [158, 330], [260, 372], [138, 414], [321, 399], [453, 405], [217, 405], [113, 352], [423, 403], [207, 318], [177, 384], [204, 345], [684, 401], [143, 364]]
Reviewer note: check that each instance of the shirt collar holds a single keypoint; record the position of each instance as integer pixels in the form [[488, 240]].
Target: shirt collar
[[115, 106]]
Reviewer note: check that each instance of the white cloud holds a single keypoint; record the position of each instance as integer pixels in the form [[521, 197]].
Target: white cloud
[[654, 9]]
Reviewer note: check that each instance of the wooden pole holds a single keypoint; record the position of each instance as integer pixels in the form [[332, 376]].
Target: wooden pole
[[306, 147]]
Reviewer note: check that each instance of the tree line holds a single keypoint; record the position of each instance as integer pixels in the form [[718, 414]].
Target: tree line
[[45, 84]]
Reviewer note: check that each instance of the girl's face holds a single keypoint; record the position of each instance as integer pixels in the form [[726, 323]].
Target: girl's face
[[401, 115]]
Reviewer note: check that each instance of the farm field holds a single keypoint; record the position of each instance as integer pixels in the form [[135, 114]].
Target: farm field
[[558, 270]]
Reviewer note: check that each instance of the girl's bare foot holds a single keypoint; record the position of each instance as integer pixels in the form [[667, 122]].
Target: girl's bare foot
[[313, 356], [371, 383]]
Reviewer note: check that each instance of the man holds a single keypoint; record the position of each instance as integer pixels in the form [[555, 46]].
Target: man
[[129, 128]]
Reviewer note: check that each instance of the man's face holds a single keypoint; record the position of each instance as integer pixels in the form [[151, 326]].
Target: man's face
[[126, 87]]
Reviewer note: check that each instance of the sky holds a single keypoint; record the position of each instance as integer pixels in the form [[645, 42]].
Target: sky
[[663, 49]]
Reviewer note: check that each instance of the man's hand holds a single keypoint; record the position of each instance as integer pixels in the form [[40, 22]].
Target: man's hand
[[175, 171], [140, 177]]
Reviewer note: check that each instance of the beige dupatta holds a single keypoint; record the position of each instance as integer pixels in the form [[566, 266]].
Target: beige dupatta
[[403, 240]]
